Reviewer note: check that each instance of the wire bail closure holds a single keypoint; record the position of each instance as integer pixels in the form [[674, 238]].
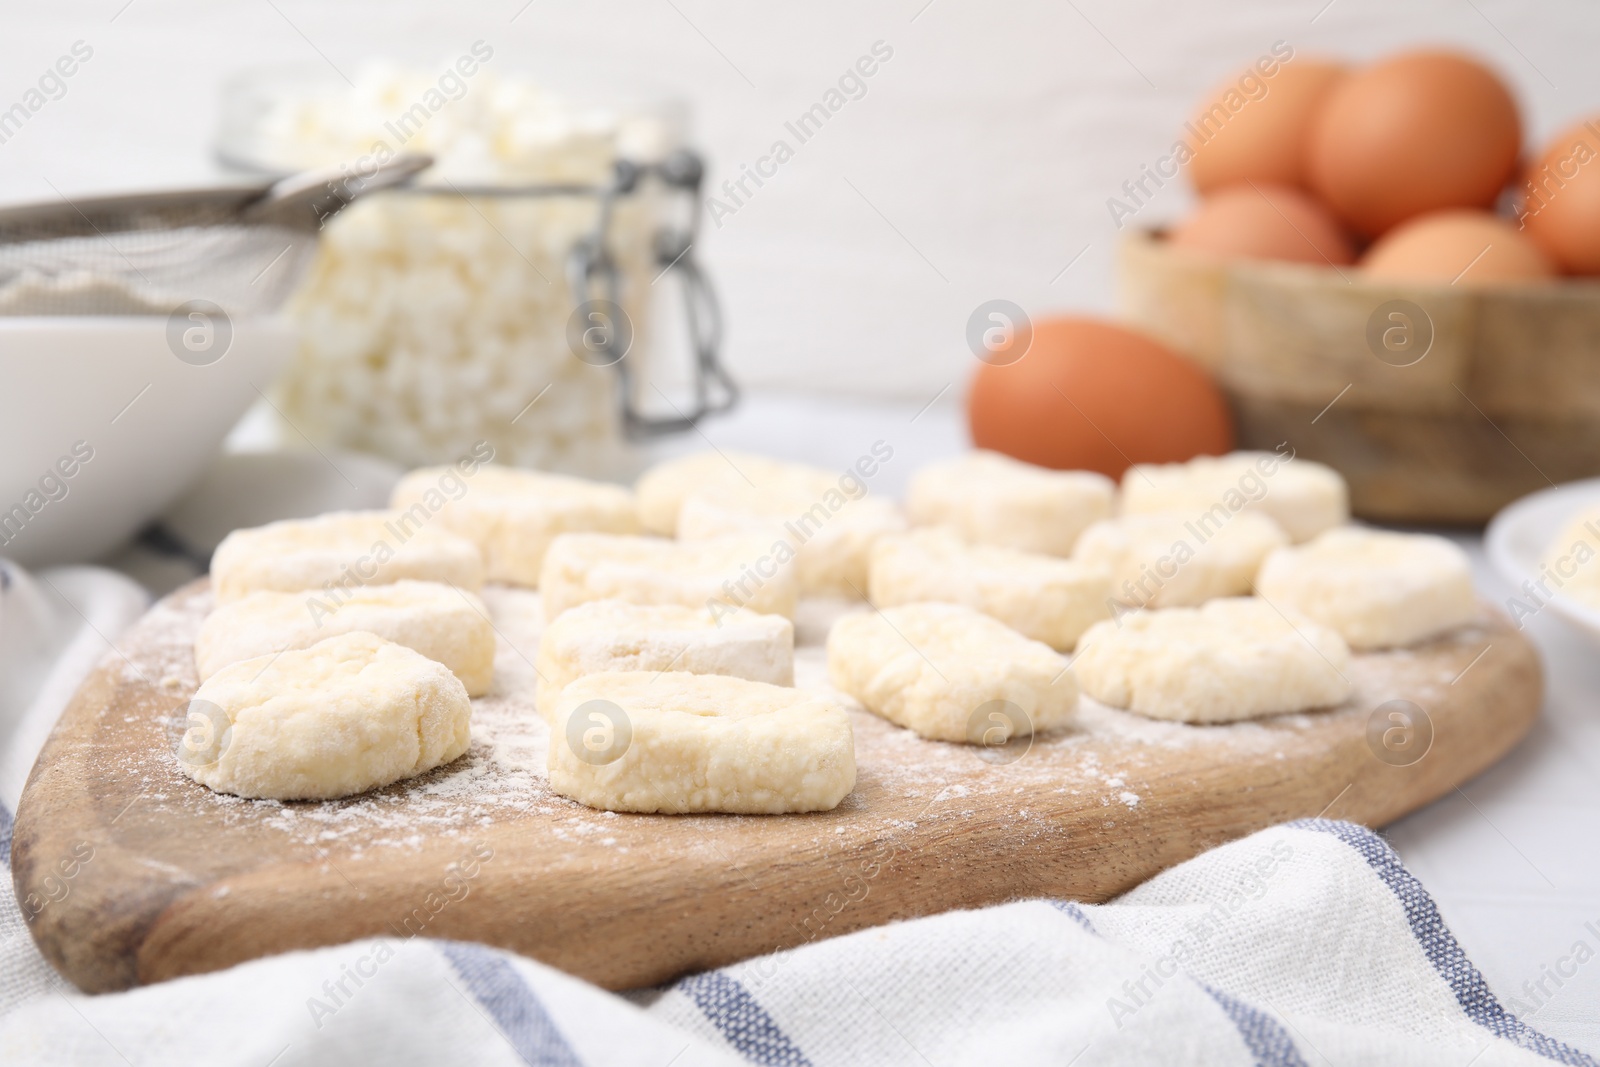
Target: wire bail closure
[[607, 336], [592, 273]]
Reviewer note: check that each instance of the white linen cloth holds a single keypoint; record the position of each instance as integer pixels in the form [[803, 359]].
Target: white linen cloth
[[1307, 943]]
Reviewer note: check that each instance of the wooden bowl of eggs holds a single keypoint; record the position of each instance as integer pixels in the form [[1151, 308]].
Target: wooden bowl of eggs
[[1375, 275]]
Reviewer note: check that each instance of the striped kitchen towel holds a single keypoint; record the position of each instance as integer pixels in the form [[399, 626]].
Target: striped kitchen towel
[[1305, 944]]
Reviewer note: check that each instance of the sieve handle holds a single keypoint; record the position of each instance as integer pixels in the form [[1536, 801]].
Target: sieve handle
[[306, 201]]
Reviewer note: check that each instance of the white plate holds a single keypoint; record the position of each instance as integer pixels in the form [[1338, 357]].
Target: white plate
[[1519, 536]]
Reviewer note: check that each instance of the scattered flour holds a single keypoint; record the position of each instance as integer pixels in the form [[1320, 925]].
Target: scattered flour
[[904, 783]]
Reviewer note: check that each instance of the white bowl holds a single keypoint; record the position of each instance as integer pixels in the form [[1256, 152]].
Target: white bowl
[[1520, 534], [112, 387]]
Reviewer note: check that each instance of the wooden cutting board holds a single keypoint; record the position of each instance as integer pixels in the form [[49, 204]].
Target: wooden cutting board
[[131, 872]]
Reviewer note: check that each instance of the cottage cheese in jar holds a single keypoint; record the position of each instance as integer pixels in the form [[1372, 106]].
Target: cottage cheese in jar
[[436, 317]]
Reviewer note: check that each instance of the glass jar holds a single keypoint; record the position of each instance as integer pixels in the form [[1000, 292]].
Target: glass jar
[[505, 295]]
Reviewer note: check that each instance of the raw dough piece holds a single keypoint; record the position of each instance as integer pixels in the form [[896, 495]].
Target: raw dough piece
[[614, 635], [678, 742], [740, 572], [346, 715], [1164, 560], [512, 515], [992, 499], [1229, 659], [341, 550], [1377, 588], [662, 489], [448, 625], [936, 669], [1303, 497], [1043, 597], [832, 534]]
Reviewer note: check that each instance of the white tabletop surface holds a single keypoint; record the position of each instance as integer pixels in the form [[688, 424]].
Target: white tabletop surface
[[1512, 857]]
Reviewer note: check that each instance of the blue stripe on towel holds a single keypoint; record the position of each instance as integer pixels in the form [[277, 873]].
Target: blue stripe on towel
[[1071, 910], [1269, 1043], [5, 835], [1440, 945], [742, 1021], [515, 1008]]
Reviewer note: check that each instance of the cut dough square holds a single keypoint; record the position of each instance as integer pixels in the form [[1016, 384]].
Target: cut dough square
[[1043, 597], [991, 499], [740, 572], [831, 533], [614, 635], [445, 624], [1229, 659], [346, 715], [1165, 560], [661, 489], [939, 669], [1303, 497], [1378, 589], [678, 743], [341, 550], [512, 515]]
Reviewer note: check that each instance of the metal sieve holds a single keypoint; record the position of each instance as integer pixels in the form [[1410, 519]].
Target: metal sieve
[[240, 247]]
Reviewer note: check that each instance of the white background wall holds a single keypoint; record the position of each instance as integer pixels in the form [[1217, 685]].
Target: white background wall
[[978, 164]]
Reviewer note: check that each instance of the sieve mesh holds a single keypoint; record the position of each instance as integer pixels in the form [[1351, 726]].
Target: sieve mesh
[[242, 248], [243, 269]]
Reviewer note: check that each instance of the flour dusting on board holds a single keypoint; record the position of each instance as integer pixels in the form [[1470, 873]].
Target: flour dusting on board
[[1109, 760]]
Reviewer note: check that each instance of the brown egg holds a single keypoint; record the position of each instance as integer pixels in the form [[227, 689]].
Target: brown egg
[[1415, 133], [1561, 208], [1092, 395], [1255, 127], [1459, 248], [1259, 221]]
